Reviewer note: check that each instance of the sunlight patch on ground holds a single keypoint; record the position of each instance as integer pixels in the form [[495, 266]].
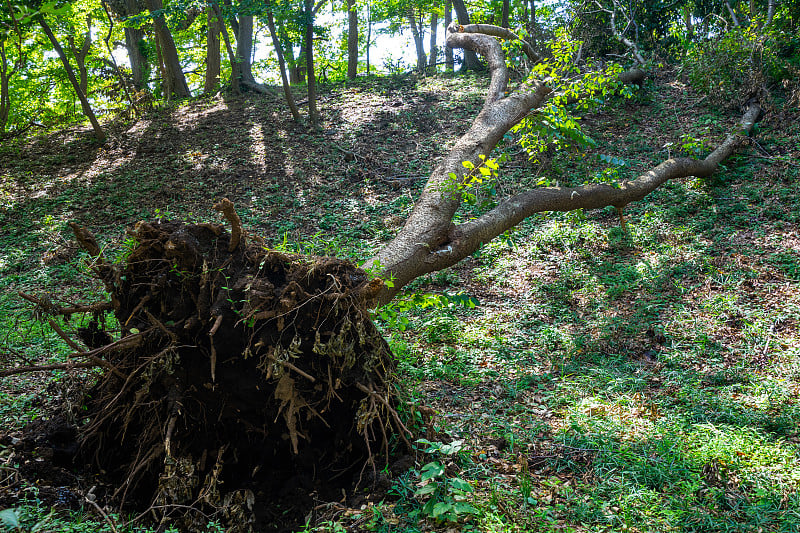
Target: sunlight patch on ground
[[257, 148]]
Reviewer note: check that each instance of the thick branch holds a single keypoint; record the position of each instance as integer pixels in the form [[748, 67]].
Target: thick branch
[[430, 222], [467, 237], [502, 33]]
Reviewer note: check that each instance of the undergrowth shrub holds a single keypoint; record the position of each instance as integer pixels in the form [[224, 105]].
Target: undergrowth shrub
[[739, 64]]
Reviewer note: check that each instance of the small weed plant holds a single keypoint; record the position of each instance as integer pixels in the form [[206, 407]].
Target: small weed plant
[[447, 495]]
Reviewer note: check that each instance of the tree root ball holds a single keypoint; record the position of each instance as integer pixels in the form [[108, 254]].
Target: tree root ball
[[245, 383]]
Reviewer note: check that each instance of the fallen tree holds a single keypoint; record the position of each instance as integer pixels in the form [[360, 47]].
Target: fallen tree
[[246, 379]]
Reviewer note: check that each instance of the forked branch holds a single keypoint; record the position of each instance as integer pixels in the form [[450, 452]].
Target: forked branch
[[430, 241]]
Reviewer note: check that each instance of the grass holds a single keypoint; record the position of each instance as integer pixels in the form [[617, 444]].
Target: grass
[[641, 380]]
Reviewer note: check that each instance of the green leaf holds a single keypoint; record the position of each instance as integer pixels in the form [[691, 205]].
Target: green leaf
[[9, 518], [441, 508], [453, 447], [468, 164], [464, 508], [485, 171], [460, 484], [431, 470], [427, 489]]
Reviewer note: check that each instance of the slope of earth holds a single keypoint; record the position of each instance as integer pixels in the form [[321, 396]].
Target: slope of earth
[[641, 379]]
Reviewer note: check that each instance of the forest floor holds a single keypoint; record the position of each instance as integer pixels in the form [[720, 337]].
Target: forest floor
[[609, 379]]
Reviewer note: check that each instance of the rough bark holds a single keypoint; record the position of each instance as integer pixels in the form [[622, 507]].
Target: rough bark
[[352, 39], [430, 241], [213, 66], [87, 109], [504, 14], [471, 61], [287, 91], [175, 80]]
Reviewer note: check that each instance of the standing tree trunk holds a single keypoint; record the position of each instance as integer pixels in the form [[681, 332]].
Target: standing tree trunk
[[422, 60], [687, 20], [471, 61], [134, 43], [770, 12], [212, 51], [174, 80], [448, 19], [5, 96], [292, 64], [352, 39], [287, 90], [235, 87], [244, 50], [434, 50], [530, 25], [309, 45], [80, 53], [504, 16], [87, 109], [122, 81], [369, 31]]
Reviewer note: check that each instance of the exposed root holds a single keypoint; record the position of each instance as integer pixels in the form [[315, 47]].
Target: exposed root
[[245, 381]]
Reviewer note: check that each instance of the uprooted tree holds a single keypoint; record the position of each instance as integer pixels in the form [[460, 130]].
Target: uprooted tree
[[245, 379]]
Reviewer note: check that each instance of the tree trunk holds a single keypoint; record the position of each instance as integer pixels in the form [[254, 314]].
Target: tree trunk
[[80, 53], [5, 96], [471, 61], [311, 80], [369, 31], [504, 16], [531, 24], [235, 86], [687, 19], [352, 39], [87, 109], [422, 60], [134, 43], [732, 13], [175, 80], [430, 241], [244, 50], [213, 65], [433, 54], [448, 19], [122, 81], [770, 12], [287, 90]]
